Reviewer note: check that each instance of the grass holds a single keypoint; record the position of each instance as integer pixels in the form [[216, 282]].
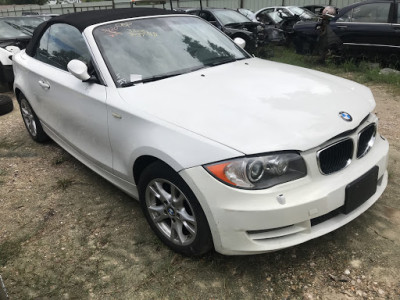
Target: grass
[[361, 71], [60, 159], [63, 184], [9, 250]]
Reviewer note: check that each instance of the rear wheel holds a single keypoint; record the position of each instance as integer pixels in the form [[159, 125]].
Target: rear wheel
[[173, 211], [3, 83], [32, 122], [6, 105]]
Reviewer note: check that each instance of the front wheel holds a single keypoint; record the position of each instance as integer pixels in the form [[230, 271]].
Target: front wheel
[[173, 211]]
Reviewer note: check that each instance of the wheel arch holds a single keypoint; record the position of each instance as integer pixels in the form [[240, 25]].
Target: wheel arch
[[141, 163], [18, 94], [147, 157]]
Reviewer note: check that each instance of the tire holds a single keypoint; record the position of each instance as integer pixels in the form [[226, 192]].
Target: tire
[[3, 83], [173, 211], [6, 105], [31, 121]]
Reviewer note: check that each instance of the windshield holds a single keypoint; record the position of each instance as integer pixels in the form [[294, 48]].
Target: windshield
[[303, 13], [155, 48], [226, 16], [246, 12], [15, 27]]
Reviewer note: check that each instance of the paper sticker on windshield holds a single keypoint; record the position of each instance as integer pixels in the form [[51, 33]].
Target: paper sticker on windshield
[[125, 28], [141, 33]]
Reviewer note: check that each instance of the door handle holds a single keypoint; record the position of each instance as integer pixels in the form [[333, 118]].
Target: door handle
[[44, 84], [342, 27]]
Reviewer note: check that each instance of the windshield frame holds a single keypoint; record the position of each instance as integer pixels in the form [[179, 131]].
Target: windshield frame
[[107, 64]]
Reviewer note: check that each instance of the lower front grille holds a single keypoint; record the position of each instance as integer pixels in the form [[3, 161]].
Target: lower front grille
[[335, 157]]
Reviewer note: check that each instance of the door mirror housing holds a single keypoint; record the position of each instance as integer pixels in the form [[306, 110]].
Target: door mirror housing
[[13, 49], [240, 42], [79, 69]]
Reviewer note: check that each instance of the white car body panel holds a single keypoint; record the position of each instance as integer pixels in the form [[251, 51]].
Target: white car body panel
[[307, 198], [246, 107], [254, 105], [5, 57], [76, 111]]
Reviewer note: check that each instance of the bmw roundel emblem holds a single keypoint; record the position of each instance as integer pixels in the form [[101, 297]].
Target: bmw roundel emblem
[[345, 116]]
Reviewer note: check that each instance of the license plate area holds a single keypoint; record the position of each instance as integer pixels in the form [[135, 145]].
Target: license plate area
[[360, 190]]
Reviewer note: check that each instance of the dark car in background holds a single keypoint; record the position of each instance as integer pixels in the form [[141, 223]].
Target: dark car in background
[[368, 27], [284, 18], [14, 32], [234, 25]]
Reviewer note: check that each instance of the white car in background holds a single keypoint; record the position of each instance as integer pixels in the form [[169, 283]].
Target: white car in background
[[277, 12], [222, 149]]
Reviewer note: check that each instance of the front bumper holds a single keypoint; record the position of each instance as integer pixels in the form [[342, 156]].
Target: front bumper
[[250, 222]]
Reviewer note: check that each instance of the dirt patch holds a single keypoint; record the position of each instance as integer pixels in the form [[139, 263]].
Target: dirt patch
[[67, 233]]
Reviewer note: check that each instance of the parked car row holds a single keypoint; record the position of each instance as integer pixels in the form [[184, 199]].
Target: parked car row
[[219, 149], [15, 32], [367, 27]]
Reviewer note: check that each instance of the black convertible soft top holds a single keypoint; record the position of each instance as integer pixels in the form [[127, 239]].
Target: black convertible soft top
[[84, 19]]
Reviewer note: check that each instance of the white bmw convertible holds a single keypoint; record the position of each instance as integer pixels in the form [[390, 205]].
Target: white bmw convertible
[[223, 150]]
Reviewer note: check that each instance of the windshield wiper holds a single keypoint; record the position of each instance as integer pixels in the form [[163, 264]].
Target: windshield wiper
[[20, 28], [149, 79], [225, 60]]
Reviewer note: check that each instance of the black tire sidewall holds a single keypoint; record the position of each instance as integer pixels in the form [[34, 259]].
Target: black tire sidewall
[[203, 241], [6, 105]]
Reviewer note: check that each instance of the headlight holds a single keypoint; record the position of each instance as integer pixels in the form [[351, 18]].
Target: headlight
[[259, 172]]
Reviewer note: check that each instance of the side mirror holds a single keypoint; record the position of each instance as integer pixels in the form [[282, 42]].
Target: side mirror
[[79, 69], [13, 49], [240, 42]]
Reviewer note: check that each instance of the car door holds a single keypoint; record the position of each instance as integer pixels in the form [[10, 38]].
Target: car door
[[368, 24], [73, 110], [396, 26]]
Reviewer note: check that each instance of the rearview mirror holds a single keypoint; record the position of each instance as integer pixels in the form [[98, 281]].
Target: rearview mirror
[[79, 69], [240, 42]]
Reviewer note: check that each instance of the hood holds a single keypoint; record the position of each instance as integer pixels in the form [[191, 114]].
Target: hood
[[254, 105]]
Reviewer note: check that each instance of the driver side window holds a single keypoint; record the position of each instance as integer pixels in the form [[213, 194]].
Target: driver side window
[[60, 44], [398, 13], [368, 13]]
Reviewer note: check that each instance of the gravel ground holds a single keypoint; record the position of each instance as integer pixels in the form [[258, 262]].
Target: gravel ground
[[66, 233]]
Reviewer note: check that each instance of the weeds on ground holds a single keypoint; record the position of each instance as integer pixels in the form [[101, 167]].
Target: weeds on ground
[[58, 160], [362, 71], [63, 184], [9, 250]]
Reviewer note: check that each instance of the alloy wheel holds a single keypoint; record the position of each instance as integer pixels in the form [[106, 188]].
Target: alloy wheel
[[28, 117], [171, 212]]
